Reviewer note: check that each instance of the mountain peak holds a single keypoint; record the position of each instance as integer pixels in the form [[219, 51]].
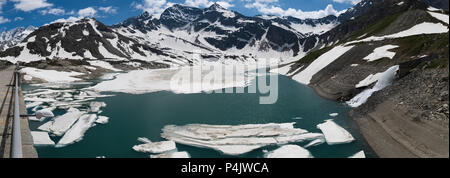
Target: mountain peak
[[216, 6]]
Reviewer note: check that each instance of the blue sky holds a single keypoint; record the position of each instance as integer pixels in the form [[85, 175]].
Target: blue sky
[[16, 13]]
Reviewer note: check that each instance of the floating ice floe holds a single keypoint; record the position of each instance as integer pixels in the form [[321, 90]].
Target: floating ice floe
[[144, 140], [182, 154], [359, 155], [95, 106], [335, 134], [42, 139], [33, 118], [59, 125], [289, 151], [381, 52], [36, 99], [334, 114], [102, 120], [156, 147], [384, 79], [237, 140], [77, 131], [315, 142], [33, 104]]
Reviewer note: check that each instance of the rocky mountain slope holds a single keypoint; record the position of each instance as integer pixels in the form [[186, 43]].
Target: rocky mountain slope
[[216, 31], [394, 71], [14, 36]]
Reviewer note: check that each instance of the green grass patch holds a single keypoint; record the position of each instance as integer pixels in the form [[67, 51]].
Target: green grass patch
[[423, 44], [440, 63]]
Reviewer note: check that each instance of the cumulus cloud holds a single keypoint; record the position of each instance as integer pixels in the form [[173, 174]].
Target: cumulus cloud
[[53, 11], [4, 20], [87, 12], [271, 7], [109, 9], [62, 20], [29, 5], [153, 6], [225, 4], [198, 3], [158, 6], [354, 2], [207, 3], [18, 19]]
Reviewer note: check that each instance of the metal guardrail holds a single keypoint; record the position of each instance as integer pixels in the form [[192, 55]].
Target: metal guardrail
[[16, 140]]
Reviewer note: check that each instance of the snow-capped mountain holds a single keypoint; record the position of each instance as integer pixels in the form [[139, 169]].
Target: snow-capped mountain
[[14, 36], [80, 39], [215, 33], [222, 34]]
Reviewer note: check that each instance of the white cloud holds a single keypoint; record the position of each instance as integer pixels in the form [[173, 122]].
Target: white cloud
[[153, 6], [53, 11], [18, 19], [109, 9], [354, 2], [29, 5], [207, 3], [271, 7], [87, 12], [225, 4], [198, 3], [158, 6], [4, 20]]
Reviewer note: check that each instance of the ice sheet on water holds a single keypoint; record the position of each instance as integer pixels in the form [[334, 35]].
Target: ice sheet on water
[[315, 142], [182, 154], [95, 106], [77, 131], [41, 138], [155, 147], [334, 114], [102, 120], [290, 151], [335, 134], [359, 155], [59, 125], [239, 139]]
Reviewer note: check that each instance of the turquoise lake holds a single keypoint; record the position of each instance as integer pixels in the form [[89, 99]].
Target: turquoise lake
[[144, 115]]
